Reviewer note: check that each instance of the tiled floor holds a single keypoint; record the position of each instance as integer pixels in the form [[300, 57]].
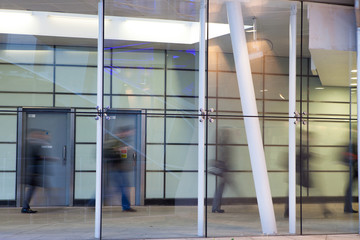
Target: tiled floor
[[180, 222]]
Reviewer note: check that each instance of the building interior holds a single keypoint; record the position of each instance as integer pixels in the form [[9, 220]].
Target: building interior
[[150, 86]]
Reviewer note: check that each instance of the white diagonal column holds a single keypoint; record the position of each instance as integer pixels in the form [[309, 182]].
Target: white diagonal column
[[201, 124], [252, 125], [292, 126]]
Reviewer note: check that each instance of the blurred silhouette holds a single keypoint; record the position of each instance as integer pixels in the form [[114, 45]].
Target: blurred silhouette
[[38, 142], [350, 158], [304, 178], [120, 163], [220, 168]]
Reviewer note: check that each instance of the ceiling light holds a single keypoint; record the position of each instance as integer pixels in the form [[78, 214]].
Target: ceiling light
[[14, 13], [354, 78], [354, 70], [281, 96], [59, 24], [319, 88], [353, 84], [73, 17], [11, 17]]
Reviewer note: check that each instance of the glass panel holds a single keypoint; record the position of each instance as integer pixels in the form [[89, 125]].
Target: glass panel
[[241, 127], [48, 59], [8, 184], [328, 140], [75, 79], [26, 53], [126, 56], [69, 55], [81, 101], [155, 70], [7, 157], [26, 78], [137, 102], [8, 128], [148, 81], [85, 157], [27, 99]]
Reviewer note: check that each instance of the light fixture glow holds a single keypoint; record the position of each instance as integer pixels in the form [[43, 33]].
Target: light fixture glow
[[354, 70], [73, 17], [319, 88], [14, 17], [116, 28], [354, 78], [353, 84], [281, 96]]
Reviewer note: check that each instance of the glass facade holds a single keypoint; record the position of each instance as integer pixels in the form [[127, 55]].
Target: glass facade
[[150, 119]]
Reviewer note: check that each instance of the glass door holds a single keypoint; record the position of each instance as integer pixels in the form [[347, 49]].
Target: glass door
[[47, 67], [151, 65], [248, 86], [327, 140]]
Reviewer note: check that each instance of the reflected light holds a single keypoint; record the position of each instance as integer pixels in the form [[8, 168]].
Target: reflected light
[[13, 17], [88, 18], [116, 28]]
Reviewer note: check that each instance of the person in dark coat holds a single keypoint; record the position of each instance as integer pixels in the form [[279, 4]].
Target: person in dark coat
[[118, 155], [350, 158], [221, 169], [304, 177], [34, 166]]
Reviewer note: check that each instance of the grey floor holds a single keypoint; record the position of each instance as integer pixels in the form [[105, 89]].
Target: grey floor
[[173, 222]]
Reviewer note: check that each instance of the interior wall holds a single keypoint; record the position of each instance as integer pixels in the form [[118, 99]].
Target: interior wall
[[165, 86]]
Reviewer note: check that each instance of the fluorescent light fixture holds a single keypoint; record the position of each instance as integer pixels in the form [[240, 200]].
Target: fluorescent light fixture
[[353, 84], [319, 88], [116, 28], [73, 17], [354, 70], [14, 13], [263, 90], [354, 78], [14, 17]]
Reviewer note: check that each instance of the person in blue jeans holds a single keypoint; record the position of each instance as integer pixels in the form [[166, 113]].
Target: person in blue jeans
[[120, 165]]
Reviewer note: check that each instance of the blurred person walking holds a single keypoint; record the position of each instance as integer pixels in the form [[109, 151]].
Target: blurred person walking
[[118, 154], [350, 158], [38, 142], [220, 168]]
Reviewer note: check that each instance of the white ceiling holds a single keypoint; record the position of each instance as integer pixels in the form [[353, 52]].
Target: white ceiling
[[272, 19]]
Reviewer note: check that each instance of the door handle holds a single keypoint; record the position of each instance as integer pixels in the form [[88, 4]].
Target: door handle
[[134, 159], [64, 155]]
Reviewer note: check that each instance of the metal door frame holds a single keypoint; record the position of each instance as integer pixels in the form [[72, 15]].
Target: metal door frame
[[21, 123]]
